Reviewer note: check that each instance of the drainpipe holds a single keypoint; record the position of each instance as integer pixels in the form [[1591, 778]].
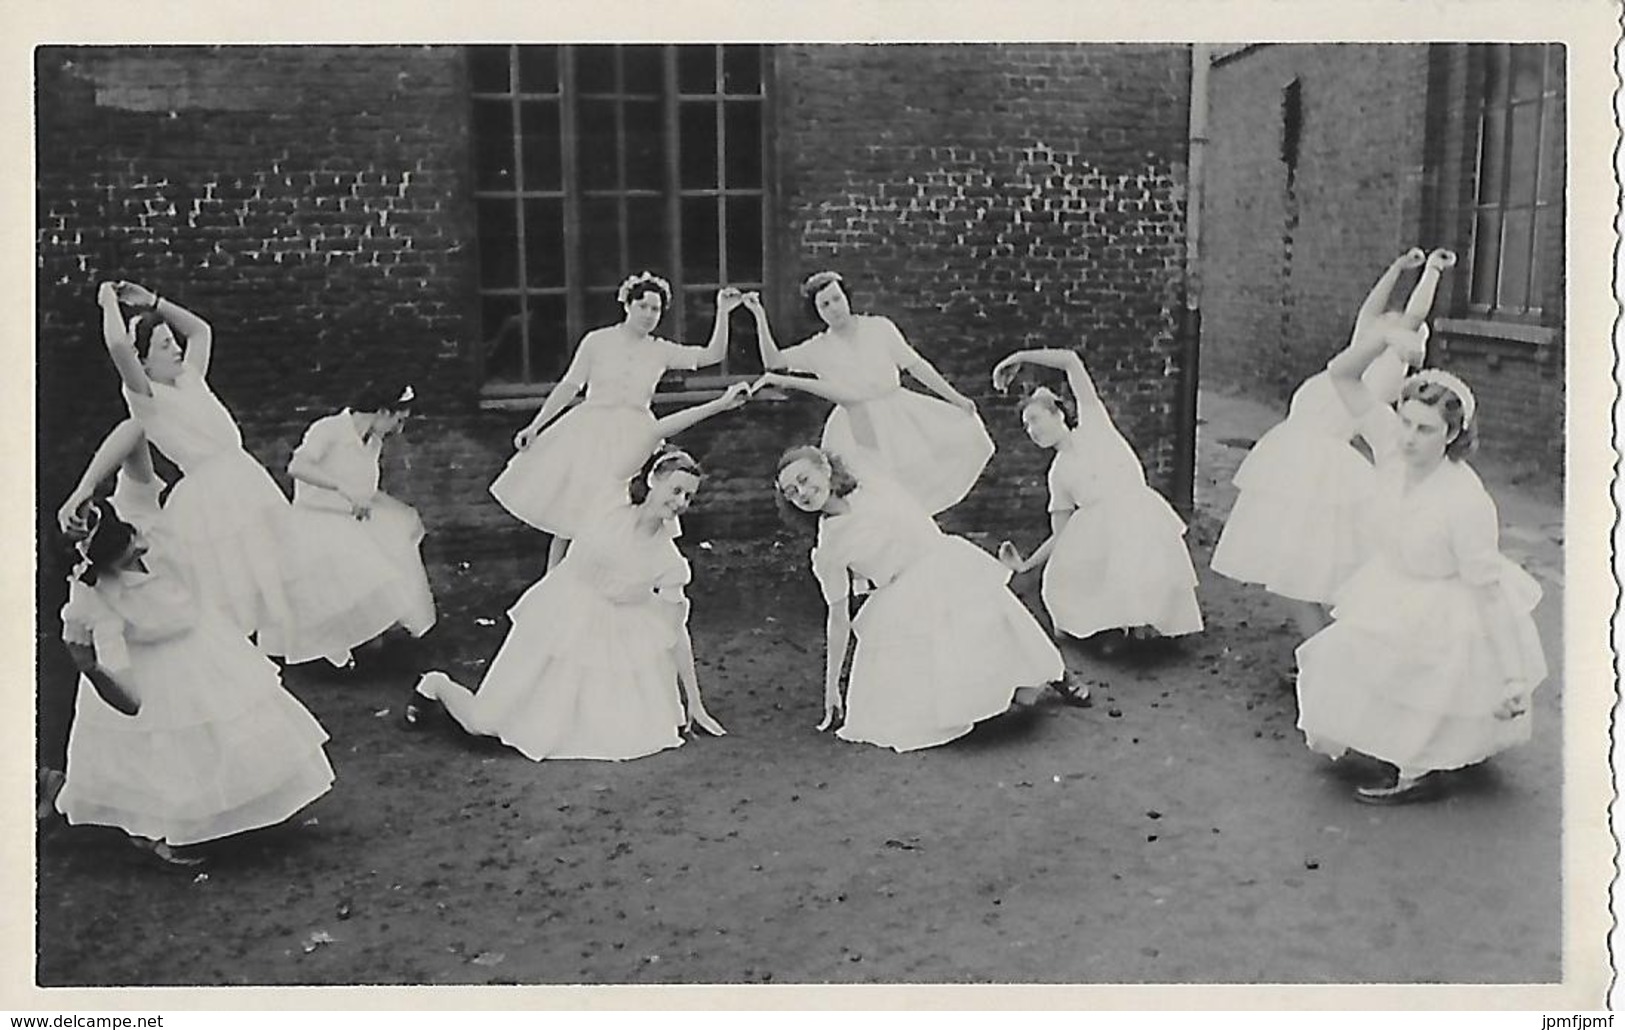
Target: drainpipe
[[1184, 498]]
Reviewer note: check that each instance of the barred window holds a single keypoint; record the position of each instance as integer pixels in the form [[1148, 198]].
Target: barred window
[[1518, 210], [594, 162]]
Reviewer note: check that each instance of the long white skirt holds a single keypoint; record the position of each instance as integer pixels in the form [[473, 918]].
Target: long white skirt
[[235, 527], [1121, 563], [217, 748], [1407, 672], [578, 676], [941, 647], [352, 579], [571, 471], [934, 450]]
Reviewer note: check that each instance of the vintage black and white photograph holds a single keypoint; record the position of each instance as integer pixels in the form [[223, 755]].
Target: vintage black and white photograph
[[807, 513]]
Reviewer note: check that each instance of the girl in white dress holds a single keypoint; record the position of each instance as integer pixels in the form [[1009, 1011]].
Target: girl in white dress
[[123, 453], [360, 571], [599, 646], [934, 448], [1115, 558], [226, 512], [1294, 526], [182, 732], [560, 477], [942, 643], [1432, 655]]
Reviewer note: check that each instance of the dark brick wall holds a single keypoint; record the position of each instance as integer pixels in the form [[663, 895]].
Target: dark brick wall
[[1278, 296], [310, 202], [1387, 160], [313, 203], [988, 198]]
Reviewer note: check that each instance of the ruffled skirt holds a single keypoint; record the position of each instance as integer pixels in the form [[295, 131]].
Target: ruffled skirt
[[934, 450], [1122, 563], [941, 647], [217, 748], [578, 676], [575, 467], [1407, 673], [1295, 524], [235, 528], [352, 579]]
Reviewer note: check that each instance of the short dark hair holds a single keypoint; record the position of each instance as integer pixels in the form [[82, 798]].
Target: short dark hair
[[1464, 438], [110, 537], [841, 483], [665, 461], [382, 395], [141, 329], [812, 286], [1046, 398]]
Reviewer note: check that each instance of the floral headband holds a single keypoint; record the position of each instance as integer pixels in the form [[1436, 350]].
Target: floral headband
[[624, 294], [1439, 377]]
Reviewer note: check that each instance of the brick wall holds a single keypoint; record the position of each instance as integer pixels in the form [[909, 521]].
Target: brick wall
[[312, 202], [1388, 160], [988, 198], [1279, 299]]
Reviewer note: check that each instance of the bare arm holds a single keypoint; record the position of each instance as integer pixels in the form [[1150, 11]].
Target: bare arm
[[1376, 302], [1058, 358], [838, 634], [559, 398], [670, 425], [116, 336], [916, 365], [106, 685], [1349, 364], [125, 446], [772, 357], [809, 384], [194, 332], [716, 348], [1012, 559], [1420, 302]]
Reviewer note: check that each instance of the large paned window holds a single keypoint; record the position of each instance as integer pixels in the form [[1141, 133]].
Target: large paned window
[[595, 162], [1518, 208]]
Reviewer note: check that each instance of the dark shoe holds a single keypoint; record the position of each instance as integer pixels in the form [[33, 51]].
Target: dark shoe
[[1402, 792]]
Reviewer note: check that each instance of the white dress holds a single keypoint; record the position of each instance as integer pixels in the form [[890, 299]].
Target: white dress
[[568, 473], [351, 578], [1407, 672], [226, 513], [933, 449], [218, 746], [941, 642], [588, 669], [1120, 560], [1294, 526], [135, 501]]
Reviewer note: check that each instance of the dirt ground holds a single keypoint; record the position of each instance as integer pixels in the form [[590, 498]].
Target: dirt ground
[[1178, 831]]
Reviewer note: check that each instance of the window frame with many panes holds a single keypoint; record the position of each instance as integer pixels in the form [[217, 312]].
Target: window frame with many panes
[[1517, 207], [594, 162]]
